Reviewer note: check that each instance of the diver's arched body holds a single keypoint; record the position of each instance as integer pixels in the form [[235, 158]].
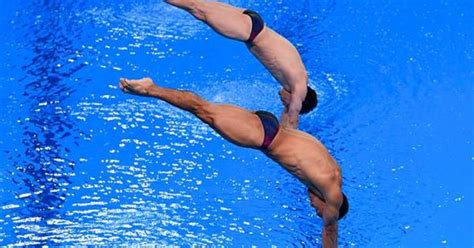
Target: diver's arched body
[[275, 52], [298, 152]]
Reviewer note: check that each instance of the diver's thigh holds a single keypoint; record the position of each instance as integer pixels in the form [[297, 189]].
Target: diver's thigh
[[226, 20], [237, 125]]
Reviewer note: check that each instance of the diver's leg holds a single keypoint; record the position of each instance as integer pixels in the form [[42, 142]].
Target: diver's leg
[[225, 19], [235, 124]]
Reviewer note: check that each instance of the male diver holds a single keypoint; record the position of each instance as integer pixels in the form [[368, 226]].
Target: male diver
[[298, 152], [275, 52]]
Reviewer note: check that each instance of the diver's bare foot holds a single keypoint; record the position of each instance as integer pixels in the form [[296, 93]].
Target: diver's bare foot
[[137, 87]]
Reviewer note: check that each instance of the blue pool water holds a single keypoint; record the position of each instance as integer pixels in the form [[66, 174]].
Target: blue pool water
[[84, 164]]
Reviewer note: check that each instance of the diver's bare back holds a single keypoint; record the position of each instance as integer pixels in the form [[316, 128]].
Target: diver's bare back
[[307, 159], [281, 58]]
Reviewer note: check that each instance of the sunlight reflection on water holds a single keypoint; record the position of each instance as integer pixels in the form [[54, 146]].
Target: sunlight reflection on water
[[87, 165]]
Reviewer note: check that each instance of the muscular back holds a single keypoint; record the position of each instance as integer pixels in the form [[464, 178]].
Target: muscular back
[[307, 159], [281, 58]]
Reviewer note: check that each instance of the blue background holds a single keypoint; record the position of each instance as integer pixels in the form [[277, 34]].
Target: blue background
[[84, 164]]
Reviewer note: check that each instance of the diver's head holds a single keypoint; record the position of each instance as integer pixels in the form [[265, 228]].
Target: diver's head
[[310, 101], [344, 207]]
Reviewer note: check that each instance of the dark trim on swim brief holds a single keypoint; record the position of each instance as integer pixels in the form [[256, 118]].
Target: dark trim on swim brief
[[257, 24], [270, 126]]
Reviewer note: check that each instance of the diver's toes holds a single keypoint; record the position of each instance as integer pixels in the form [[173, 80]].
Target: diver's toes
[[124, 81]]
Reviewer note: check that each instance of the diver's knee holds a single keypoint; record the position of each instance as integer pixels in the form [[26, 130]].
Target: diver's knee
[[179, 2], [203, 110], [192, 6], [173, 2], [199, 10], [199, 106], [195, 7]]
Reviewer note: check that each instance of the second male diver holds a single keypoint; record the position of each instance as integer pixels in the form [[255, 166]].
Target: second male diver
[[275, 52], [299, 153]]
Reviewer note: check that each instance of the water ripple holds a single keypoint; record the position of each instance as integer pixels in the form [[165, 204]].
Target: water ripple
[[88, 165]]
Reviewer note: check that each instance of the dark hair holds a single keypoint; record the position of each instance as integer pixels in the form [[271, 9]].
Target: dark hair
[[310, 101], [344, 207]]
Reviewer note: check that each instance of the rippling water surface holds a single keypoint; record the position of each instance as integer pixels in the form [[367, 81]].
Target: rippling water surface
[[83, 164]]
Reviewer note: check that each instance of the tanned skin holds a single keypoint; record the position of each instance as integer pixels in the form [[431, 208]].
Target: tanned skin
[[275, 52], [299, 153]]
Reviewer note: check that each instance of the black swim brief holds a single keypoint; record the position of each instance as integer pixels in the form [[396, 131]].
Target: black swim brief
[[257, 24], [270, 126]]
